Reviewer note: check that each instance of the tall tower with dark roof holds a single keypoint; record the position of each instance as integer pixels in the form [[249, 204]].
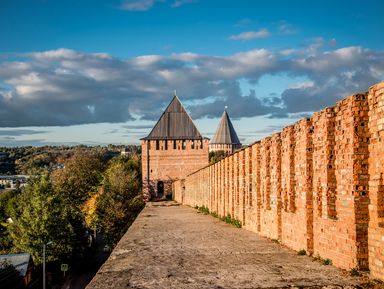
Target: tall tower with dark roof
[[172, 150], [225, 138]]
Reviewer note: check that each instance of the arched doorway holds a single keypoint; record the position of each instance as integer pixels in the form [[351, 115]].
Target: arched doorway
[[160, 189]]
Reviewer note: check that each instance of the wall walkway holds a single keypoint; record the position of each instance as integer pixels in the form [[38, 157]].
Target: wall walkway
[[175, 247]]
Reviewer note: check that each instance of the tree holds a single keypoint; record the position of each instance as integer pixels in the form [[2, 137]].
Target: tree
[[89, 209], [41, 216], [80, 178], [216, 156], [7, 200], [120, 199]]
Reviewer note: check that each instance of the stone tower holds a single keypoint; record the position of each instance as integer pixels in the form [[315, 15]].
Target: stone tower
[[225, 138], [172, 150]]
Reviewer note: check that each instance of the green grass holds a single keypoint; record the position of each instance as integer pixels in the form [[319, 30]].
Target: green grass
[[204, 210], [354, 273], [322, 261], [231, 221], [215, 215], [326, 261], [302, 252]]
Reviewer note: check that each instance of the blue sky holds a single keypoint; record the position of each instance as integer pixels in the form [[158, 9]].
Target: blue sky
[[99, 72]]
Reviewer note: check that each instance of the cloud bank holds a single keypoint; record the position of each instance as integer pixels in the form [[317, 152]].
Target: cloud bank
[[65, 87]]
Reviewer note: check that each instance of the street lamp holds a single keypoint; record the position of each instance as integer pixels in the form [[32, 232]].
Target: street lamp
[[44, 245]]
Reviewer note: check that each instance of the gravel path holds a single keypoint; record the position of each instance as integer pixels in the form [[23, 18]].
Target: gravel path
[[171, 246]]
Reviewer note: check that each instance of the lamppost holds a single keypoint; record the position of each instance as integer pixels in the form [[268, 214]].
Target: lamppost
[[44, 245]]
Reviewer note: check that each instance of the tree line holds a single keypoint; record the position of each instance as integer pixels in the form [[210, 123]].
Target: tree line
[[91, 192]]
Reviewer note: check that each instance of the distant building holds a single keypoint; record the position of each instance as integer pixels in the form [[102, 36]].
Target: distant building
[[225, 138], [173, 149], [125, 152], [13, 181], [13, 264]]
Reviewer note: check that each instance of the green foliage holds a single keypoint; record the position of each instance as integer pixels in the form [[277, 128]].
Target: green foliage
[[302, 252], [120, 199], [80, 178], [7, 202], [216, 156], [79, 195], [323, 261], [41, 216], [326, 262], [203, 210], [231, 221], [215, 215], [355, 272]]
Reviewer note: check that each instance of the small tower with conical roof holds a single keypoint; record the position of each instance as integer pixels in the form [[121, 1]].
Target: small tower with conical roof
[[225, 138], [172, 150]]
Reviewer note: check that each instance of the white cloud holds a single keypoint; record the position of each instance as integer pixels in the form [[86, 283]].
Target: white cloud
[[286, 28], [61, 53], [137, 5], [66, 87], [179, 3], [244, 22], [249, 35], [145, 5]]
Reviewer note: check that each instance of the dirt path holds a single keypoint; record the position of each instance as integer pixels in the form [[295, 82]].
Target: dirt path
[[176, 247]]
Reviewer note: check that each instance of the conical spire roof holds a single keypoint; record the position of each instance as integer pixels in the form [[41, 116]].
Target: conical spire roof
[[174, 123], [225, 133]]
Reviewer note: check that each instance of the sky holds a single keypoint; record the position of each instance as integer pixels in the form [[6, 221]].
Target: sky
[[96, 72]]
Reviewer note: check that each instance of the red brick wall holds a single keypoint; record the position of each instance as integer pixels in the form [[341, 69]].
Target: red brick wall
[[340, 183], [168, 164], [318, 185], [293, 209], [376, 180]]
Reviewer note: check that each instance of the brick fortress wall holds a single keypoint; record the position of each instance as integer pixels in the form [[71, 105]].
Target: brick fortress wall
[[170, 160], [318, 185]]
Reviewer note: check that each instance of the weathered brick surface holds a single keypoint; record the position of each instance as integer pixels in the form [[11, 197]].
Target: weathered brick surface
[[165, 163], [376, 180], [248, 194], [318, 185], [297, 228], [340, 210]]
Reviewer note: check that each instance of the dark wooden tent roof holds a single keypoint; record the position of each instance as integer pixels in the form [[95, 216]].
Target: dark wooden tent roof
[[225, 133], [174, 123]]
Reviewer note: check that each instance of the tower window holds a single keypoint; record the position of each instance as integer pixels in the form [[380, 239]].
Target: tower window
[[183, 145], [192, 144], [157, 145], [166, 145], [174, 144]]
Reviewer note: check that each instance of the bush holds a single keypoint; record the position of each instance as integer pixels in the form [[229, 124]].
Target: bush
[[203, 210], [325, 261], [302, 252], [355, 273]]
